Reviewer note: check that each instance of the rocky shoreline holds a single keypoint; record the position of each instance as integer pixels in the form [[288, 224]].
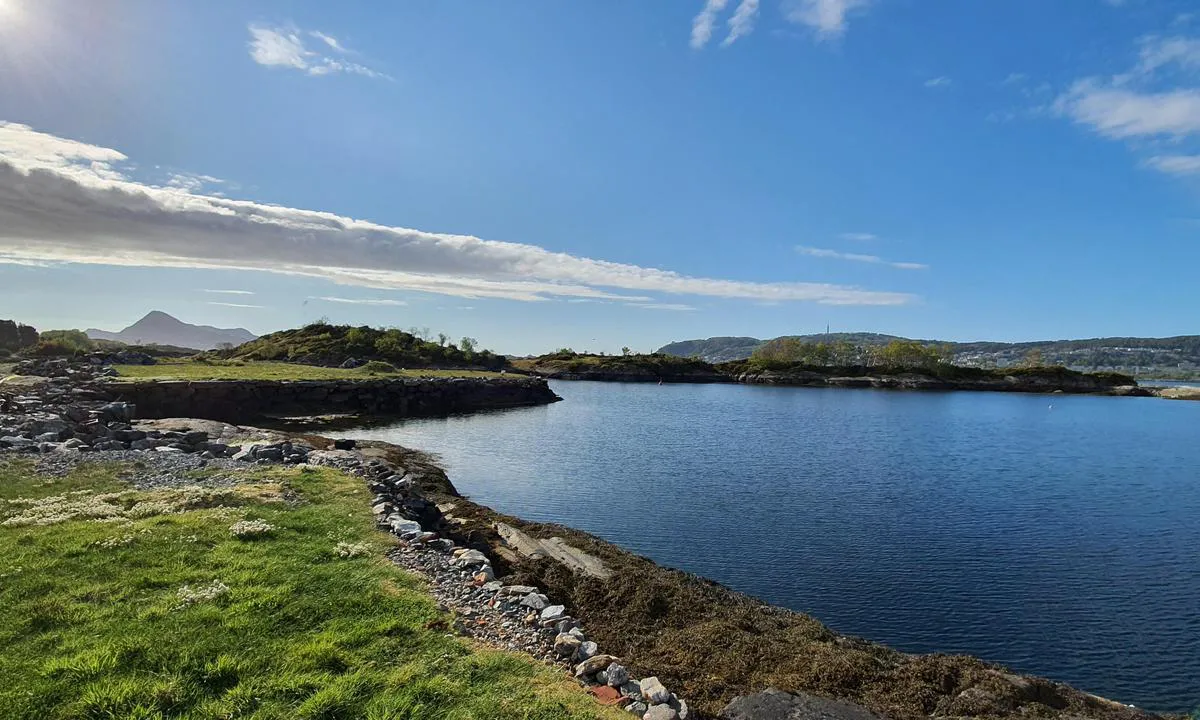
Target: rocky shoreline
[[535, 588]]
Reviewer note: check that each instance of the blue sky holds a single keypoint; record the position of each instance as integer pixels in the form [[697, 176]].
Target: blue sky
[[600, 174]]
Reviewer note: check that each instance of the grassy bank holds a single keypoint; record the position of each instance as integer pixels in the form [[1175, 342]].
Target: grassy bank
[[265, 370], [116, 603]]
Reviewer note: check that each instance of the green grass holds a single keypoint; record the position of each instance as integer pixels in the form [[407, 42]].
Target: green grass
[[93, 625], [266, 370]]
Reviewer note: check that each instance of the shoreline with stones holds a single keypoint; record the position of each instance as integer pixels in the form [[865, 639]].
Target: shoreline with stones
[[555, 593], [69, 419]]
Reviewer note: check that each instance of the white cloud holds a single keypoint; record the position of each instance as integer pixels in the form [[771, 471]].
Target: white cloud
[[1119, 112], [361, 301], [65, 201], [192, 182], [702, 24], [828, 17], [278, 47], [283, 47], [1176, 164], [229, 292], [859, 236], [1015, 78], [662, 306], [235, 305], [939, 81], [742, 22], [1135, 103], [856, 257]]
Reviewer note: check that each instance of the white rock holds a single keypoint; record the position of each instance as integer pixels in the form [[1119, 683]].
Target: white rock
[[653, 691], [553, 613], [661, 712]]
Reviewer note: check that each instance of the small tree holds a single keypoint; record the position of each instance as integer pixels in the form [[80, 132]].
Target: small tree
[[468, 345], [442, 339], [626, 351]]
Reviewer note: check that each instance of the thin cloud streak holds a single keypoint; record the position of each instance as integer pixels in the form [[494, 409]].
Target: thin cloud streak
[[702, 24], [229, 292], [856, 257], [66, 201], [679, 307], [360, 301], [235, 305], [284, 47], [742, 22]]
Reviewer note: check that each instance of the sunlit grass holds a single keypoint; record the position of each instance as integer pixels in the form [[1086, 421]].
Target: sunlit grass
[[265, 370], [174, 616]]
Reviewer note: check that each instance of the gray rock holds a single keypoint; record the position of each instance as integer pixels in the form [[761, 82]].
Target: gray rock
[[73, 444], [553, 613], [617, 675], [147, 444], [631, 690], [519, 590], [602, 677], [587, 649], [404, 527], [469, 558], [637, 708], [50, 437], [661, 712], [653, 691], [270, 454], [775, 704], [577, 632], [535, 601], [493, 586], [195, 437]]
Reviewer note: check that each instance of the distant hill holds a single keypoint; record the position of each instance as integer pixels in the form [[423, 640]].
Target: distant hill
[[159, 328], [1173, 357], [725, 349]]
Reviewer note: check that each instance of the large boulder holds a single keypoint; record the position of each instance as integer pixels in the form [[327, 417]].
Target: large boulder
[[775, 704]]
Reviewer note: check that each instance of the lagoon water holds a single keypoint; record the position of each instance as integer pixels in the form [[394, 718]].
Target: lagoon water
[[1058, 535]]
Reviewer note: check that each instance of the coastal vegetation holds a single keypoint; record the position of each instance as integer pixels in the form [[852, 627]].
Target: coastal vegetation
[[267, 599], [569, 361], [15, 336], [207, 368], [1175, 358], [328, 345]]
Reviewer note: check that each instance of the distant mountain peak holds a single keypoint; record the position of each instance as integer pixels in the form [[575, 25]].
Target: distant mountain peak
[[160, 328]]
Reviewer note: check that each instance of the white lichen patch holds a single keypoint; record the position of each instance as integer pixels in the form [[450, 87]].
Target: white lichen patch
[[189, 595], [117, 541], [246, 529], [112, 507], [352, 550]]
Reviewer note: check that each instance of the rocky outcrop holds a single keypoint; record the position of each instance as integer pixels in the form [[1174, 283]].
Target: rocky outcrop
[[242, 401]]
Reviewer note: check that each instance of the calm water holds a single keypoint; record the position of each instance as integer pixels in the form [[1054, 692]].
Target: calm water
[[1057, 535]]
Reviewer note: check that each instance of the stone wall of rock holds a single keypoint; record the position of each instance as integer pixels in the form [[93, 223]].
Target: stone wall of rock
[[237, 401]]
